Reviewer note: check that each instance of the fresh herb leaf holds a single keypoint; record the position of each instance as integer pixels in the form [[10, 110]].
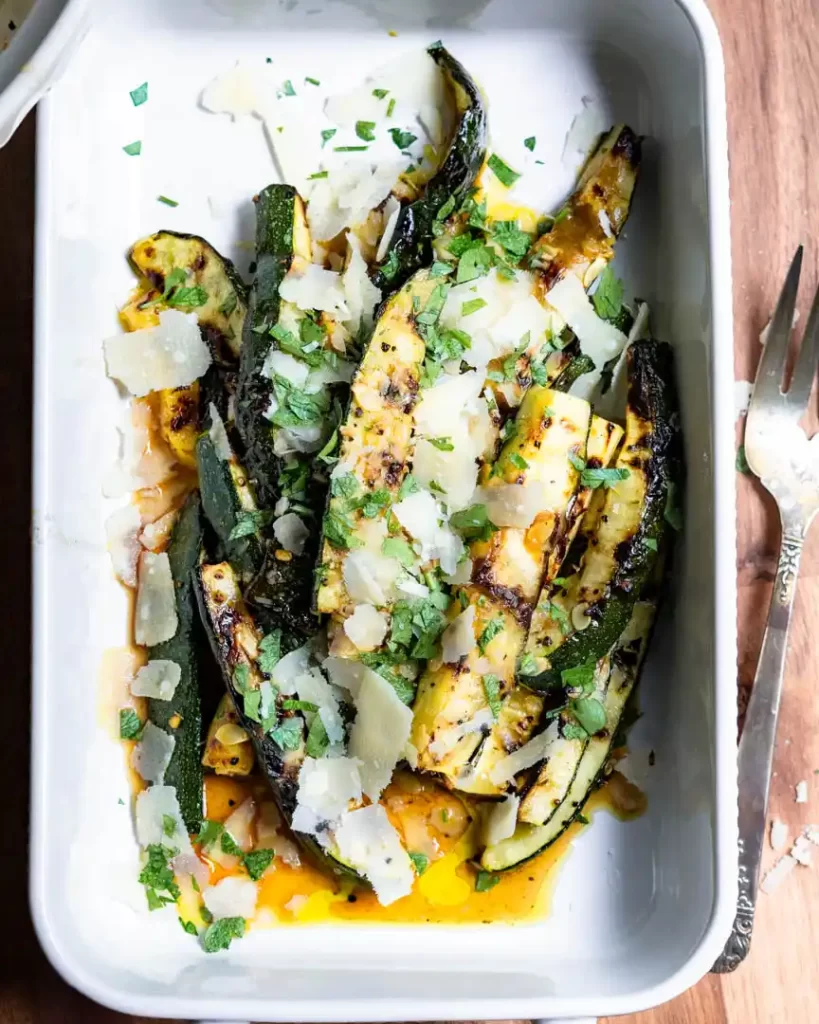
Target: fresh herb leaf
[[573, 731], [489, 632], [168, 825], [527, 665], [502, 171], [409, 485], [391, 265], [318, 175], [221, 933], [561, 215], [559, 614], [189, 927], [518, 461], [511, 238], [270, 651], [473, 523], [326, 135], [463, 243], [252, 701], [428, 317], [130, 726], [597, 477], [365, 130], [338, 530], [287, 88], [188, 298], [388, 666], [485, 880], [472, 306], [475, 262], [391, 107], [581, 818], [440, 269], [443, 444], [287, 734], [228, 307], [209, 833], [380, 93], [157, 877], [742, 462], [139, 95], [249, 521], [650, 544], [317, 739], [373, 502], [229, 845], [530, 143], [402, 139], [576, 462], [420, 861], [326, 454], [133, 148], [590, 713], [491, 687], [167, 201], [350, 149], [398, 548], [312, 81], [608, 296], [257, 862], [579, 677], [446, 209]]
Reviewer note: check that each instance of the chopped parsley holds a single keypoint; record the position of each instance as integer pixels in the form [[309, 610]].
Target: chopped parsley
[[299, 705], [527, 665], [139, 95], [558, 613], [511, 238], [594, 477], [130, 725], [317, 175], [167, 202], [133, 148], [473, 523], [420, 861], [270, 651], [579, 677], [391, 107], [440, 269], [312, 81], [530, 143], [491, 687], [365, 130], [485, 880], [189, 927], [287, 88], [338, 530], [157, 877], [380, 93], [443, 444], [608, 296], [257, 862], [287, 734], [590, 713], [350, 149], [221, 933], [399, 549], [209, 833], [489, 632], [518, 461], [402, 139], [326, 135], [417, 624], [249, 521], [188, 298], [252, 701], [297, 407], [229, 845], [476, 262], [502, 171], [472, 306], [317, 739]]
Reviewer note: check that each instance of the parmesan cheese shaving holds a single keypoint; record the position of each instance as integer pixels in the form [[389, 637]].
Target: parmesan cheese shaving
[[366, 627], [424, 520], [158, 679], [122, 532], [291, 532], [153, 806], [313, 687], [458, 639], [327, 787], [802, 792], [598, 339], [232, 897], [501, 820], [155, 535], [524, 757], [779, 834], [392, 211], [366, 839], [152, 755], [282, 364], [218, 434], [155, 618], [170, 355], [360, 294], [369, 577], [309, 286], [379, 733]]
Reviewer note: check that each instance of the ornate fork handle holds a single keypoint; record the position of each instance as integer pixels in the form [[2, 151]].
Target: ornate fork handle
[[757, 741]]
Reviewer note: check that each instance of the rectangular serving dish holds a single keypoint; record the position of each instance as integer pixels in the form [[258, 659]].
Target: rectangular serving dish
[[640, 910]]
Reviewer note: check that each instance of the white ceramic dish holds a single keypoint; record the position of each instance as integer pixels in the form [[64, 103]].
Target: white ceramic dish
[[641, 910]]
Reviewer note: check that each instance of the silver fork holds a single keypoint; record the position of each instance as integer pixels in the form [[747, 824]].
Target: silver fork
[[777, 452]]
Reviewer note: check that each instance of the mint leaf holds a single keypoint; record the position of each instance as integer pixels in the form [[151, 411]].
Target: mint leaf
[[530, 143], [130, 725], [594, 478], [380, 93], [742, 462], [472, 306], [252, 702], [168, 825], [317, 739], [511, 237], [257, 862], [473, 523], [579, 677], [139, 95], [527, 665], [157, 877], [502, 171], [491, 687], [133, 148], [476, 262], [249, 521], [398, 548], [420, 861], [608, 296], [287, 734], [270, 651], [221, 933], [590, 713], [443, 444], [326, 135], [402, 139], [189, 927], [209, 832], [229, 845], [489, 632], [518, 461], [365, 130], [485, 881], [287, 88], [188, 298]]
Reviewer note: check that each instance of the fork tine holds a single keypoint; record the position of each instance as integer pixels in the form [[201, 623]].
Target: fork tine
[[772, 364], [806, 363]]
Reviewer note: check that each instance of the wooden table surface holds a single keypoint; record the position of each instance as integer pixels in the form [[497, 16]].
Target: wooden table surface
[[772, 57]]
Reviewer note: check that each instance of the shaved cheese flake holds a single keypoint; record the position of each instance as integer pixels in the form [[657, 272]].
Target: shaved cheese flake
[[392, 211], [779, 834], [584, 131], [155, 618], [308, 286], [379, 733], [122, 533], [232, 897], [218, 434], [501, 820], [366, 627], [153, 806], [424, 520], [480, 722], [412, 588], [369, 576], [802, 851], [170, 355], [290, 667], [455, 472], [459, 637], [240, 824], [360, 294], [802, 792], [158, 679], [524, 757], [345, 673], [313, 687], [152, 755], [155, 535], [236, 92], [306, 439], [463, 574], [291, 532], [282, 364], [811, 833], [327, 787], [518, 505], [778, 873], [366, 839], [598, 339]]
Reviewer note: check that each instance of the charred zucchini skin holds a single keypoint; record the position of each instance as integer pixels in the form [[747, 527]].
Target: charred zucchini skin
[[222, 316], [181, 717], [279, 215], [652, 404], [411, 245]]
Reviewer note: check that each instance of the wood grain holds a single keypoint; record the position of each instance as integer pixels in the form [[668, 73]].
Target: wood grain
[[772, 58]]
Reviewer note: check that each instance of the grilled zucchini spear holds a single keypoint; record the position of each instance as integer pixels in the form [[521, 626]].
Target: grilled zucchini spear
[[185, 272], [411, 244], [623, 551]]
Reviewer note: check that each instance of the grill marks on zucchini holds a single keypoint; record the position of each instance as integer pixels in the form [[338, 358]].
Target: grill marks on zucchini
[[411, 244], [624, 669], [181, 716], [506, 577], [617, 561], [376, 438], [581, 241]]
